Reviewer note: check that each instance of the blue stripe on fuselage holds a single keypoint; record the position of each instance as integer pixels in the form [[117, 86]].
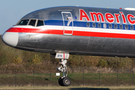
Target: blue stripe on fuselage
[[87, 24]]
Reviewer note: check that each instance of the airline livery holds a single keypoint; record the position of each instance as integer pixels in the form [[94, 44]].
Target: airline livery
[[61, 31]]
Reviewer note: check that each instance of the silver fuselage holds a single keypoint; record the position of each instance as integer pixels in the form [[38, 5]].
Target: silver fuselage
[[65, 30]]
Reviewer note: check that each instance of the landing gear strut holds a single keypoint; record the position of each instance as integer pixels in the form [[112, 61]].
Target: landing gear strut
[[64, 80]]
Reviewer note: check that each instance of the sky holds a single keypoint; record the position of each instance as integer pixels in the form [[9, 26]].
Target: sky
[[11, 11]]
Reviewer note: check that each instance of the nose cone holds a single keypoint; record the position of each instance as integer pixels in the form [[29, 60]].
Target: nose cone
[[10, 38]]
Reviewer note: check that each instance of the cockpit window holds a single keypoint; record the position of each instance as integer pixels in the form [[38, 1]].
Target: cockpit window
[[32, 22], [40, 23], [23, 22]]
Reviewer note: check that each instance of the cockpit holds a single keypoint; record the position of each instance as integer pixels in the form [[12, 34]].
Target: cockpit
[[31, 22]]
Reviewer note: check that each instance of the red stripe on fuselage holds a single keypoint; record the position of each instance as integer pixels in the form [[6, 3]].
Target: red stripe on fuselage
[[35, 30], [75, 33], [100, 34]]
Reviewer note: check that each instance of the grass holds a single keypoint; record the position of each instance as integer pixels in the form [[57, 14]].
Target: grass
[[77, 79]]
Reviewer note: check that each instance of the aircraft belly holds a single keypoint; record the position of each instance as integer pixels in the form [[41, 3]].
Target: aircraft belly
[[77, 44], [112, 46], [53, 42], [61, 42]]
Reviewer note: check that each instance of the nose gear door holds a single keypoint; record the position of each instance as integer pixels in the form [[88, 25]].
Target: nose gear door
[[67, 23]]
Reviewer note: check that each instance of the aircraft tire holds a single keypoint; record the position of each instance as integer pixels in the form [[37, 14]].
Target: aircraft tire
[[66, 81], [60, 81]]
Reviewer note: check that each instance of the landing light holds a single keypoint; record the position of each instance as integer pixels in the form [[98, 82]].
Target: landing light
[[57, 74]]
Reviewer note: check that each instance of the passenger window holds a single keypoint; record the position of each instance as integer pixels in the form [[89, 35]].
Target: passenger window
[[115, 26], [88, 24], [126, 27], [40, 23], [104, 25], [94, 25], [23, 22], [110, 25], [32, 22], [131, 27], [99, 25], [121, 27]]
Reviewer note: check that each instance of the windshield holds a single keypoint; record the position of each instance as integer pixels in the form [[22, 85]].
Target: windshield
[[31, 22], [40, 23], [23, 22]]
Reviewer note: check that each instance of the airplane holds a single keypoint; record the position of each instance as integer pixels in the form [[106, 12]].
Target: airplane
[[74, 30]]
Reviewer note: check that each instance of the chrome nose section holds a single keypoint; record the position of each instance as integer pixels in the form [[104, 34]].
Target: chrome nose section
[[10, 38]]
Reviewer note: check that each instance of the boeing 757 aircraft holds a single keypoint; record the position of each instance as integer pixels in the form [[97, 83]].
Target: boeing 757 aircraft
[[62, 31]]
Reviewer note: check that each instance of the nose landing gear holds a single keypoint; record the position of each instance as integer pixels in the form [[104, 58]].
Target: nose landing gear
[[64, 80]]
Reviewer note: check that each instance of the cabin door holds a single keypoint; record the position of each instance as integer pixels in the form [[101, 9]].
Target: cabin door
[[67, 23]]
